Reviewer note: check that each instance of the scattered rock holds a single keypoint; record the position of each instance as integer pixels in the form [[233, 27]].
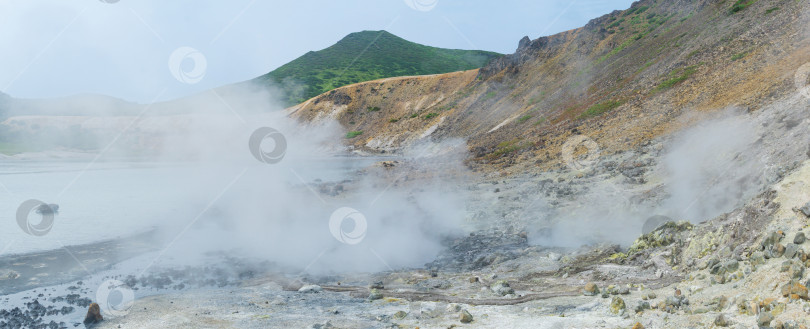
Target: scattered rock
[[375, 295], [764, 319], [453, 308], [325, 325], [642, 306], [638, 325], [721, 320], [502, 288], [796, 271], [465, 317], [799, 238], [805, 209], [772, 239], [400, 315], [662, 236], [794, 290], [591, 289], [778, 250], [757, 258], [376, 285], [790, 250], [617, 306], [731, 265]]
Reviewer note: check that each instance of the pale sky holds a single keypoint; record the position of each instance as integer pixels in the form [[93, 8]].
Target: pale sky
[[124, 48]]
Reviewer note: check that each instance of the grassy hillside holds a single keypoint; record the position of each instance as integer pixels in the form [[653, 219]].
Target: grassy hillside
[[365, 56]]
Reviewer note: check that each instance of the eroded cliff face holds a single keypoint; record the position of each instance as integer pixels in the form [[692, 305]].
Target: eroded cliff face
[[390, 113], [621, 80]]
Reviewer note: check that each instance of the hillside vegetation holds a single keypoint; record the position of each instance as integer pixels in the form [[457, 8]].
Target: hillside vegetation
[[622, 79], [365, 56]]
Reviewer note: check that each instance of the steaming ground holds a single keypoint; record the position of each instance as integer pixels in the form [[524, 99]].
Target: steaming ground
[[247, 235]]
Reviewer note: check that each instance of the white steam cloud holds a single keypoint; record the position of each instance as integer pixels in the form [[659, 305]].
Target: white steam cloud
[[217, 197], [708, 169]]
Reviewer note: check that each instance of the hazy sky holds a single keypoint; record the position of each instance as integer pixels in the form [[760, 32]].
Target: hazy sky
[[125, 48]]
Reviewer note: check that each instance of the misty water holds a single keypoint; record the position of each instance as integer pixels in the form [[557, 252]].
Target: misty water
[[109, 200]]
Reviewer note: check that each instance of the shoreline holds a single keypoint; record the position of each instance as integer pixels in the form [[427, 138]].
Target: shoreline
[[20, 272]]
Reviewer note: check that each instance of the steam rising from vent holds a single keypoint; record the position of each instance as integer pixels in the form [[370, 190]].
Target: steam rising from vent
[[231, 197], [709, 169], [712, 168], [284, 210]]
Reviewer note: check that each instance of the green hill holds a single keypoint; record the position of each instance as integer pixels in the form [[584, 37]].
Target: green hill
[[365, 56]]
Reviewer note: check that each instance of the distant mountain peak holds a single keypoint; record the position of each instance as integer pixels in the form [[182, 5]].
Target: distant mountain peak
[[364, 56]]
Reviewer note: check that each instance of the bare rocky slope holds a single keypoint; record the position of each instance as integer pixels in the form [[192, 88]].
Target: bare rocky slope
[[622, 79]]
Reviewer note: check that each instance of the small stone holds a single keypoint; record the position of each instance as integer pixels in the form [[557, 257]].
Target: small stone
[[617, 306], [400, 315], [805, 209], [624, 291], [375, 295], [502, 288], [611, 289], [710, 263], [376, 285], [771, 239], [731, 265], [673, 301], [778, 250], [757, 258], [465, 317], [790, 250], [794, 290], [638, 325], [642, 306], [796, 271], [591, 289], [799, 238], [474, 279], [764, 319], [453, 308], [310, 288], [721, 320]]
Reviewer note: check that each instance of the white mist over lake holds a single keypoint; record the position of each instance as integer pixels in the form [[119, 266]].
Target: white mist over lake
[[108, 200]]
